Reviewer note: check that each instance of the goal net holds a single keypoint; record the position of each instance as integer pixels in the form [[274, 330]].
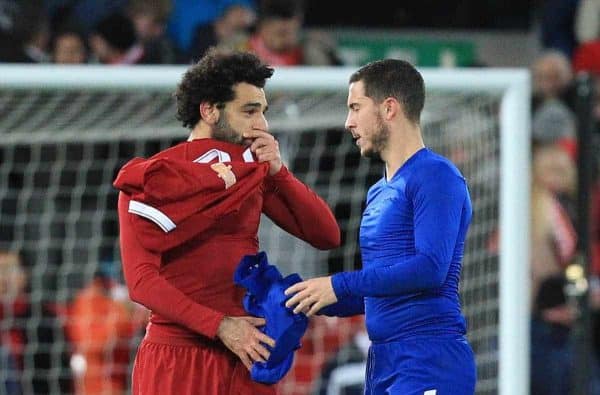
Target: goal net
[[65, 132]]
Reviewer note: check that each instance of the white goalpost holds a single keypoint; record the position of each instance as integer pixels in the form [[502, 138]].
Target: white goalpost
[[65, 130]]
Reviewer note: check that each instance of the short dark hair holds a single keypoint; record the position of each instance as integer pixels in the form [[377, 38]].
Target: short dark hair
[[212, 79], [394, 78], [118, 30]]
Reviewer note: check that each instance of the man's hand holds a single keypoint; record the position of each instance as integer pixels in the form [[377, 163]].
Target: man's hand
[[240, 335], [266, 149], [310, 296]]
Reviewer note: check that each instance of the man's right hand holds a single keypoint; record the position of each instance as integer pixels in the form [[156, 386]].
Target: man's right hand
[[266, 149], [240, 335]]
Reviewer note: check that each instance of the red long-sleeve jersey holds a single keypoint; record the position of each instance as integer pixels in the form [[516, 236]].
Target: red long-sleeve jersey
[[189, 214]]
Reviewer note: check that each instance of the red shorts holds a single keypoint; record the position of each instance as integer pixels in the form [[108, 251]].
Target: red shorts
[[181, 366]]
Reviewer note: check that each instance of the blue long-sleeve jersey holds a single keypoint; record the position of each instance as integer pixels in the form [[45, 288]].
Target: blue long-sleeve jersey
[[412, 238]]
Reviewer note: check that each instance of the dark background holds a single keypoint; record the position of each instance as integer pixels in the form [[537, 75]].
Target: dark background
[[442, 14]]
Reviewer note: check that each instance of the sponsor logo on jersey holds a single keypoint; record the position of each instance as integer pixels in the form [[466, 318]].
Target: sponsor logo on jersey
[[224, 172]]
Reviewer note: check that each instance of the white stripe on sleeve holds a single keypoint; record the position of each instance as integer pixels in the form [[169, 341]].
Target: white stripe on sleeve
[[153, 214]]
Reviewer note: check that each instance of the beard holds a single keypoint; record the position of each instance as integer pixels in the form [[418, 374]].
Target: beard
[[379, 139], [224, 132]]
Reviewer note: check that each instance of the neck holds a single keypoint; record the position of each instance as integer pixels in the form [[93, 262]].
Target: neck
[[401, 146], [200, 131]]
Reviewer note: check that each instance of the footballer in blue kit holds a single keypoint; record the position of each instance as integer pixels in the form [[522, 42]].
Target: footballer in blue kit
[[412, 239]]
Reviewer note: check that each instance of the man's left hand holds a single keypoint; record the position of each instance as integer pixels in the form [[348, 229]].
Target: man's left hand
[[310, 296]]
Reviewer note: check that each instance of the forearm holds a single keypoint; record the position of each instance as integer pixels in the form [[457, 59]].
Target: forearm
[[300, 211], [417, 273]]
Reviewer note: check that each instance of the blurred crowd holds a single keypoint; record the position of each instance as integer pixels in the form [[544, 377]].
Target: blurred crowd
[[571, 39], [554, 218], [102, 325], [157, 32]]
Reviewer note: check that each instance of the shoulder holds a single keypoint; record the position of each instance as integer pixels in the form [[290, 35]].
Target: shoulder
[[436, 174], [176, 150], [434, 167]]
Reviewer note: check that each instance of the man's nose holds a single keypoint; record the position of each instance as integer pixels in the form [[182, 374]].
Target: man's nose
[[262, 123], [349, 123]]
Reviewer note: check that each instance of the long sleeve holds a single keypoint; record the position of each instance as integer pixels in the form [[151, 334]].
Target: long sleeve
[[146, 286], [297, 209], [439, 200]]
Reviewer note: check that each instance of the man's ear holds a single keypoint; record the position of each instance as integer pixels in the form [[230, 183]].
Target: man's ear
[[391, 108], [209, 112]]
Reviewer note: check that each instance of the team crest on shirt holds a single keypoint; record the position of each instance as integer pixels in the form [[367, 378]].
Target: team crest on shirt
[[224, 172]]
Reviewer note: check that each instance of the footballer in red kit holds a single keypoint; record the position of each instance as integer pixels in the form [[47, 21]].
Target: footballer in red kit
[[188, 215]]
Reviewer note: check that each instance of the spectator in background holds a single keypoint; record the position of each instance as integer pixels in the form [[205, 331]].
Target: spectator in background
[[68, 46], [552, 77], [149, 20], [114, 41], [279, 39], [187, 15], [234, 20], [25, 39], [553, 247], [553, 235], [102, 324], [31, 332]]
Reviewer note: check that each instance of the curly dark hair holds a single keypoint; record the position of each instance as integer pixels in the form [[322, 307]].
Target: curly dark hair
[[212, 79]]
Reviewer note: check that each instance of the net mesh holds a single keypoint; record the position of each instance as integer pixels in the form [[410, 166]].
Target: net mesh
[[60, 151]]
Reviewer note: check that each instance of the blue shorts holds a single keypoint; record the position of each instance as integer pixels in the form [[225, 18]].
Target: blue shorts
[[421, 366]]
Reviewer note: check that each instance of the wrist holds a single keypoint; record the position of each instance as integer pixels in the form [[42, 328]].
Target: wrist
[[281, 174], [275, 168], [222, 328]]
